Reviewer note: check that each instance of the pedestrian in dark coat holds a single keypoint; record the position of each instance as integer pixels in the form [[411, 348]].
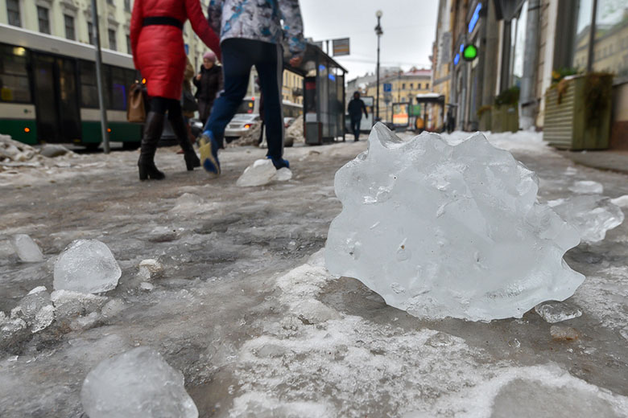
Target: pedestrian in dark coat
[[208, 83], [356, 107], [159, 54]]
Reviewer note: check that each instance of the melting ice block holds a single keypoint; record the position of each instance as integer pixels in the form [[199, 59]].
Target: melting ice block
[[444, 230], [136, 384], [86, 266]]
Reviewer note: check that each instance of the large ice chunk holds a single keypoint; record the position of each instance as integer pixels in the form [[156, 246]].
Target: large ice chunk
[[27, 250], [448, 230], [591, 215], [259, 173], [86, 266], [136, 384]]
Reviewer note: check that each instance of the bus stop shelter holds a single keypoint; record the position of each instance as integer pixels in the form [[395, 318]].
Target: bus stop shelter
[[323, 96], [428, 116]]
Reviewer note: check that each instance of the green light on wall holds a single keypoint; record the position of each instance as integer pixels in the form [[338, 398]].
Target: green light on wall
[[470, 52]]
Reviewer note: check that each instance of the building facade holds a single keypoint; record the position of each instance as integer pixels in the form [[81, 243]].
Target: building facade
[[404, 87], [521, 44]]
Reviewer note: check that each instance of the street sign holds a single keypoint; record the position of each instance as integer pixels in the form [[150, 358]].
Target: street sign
[[387, 98], [387, 87], [340, 47]]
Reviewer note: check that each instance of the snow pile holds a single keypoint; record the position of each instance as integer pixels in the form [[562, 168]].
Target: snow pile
[[27, 250], [262, 172], [16, 154], [136, 384], [444, 230], [294, 133], [591, 215], [86, 266], [251, 137]]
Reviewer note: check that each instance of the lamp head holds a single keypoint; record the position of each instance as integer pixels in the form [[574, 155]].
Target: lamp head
[[379, 14]]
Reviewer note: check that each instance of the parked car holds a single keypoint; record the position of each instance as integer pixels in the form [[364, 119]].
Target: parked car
[[287, 121], [241, 124]]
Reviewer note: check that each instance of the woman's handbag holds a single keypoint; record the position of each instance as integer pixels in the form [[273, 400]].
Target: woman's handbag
[[188, 102], [136, 104]]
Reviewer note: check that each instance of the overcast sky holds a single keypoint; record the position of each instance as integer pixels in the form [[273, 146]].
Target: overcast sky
[[409, 29]]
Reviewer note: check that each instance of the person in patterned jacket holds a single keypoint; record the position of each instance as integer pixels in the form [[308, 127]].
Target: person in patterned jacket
[[251, 33]]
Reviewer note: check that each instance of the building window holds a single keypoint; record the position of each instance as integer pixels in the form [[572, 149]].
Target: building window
[[44, 19], [127, 5], [411, 86], [112, 40], [90, 33], [128, 45], [418, 86], [427, 86], [110, 2], [69, 27], [13, 10], [403, 86]]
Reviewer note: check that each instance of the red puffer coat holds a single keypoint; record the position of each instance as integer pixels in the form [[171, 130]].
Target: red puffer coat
[[158, 50]]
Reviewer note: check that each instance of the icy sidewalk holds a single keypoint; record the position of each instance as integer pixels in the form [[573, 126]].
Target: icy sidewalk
[[258, 330]]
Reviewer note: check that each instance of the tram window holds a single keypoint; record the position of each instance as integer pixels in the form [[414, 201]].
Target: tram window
[[89, 90], [14, 85], [119, 87]]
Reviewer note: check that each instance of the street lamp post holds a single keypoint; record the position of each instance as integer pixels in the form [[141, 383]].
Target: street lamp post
[[99, 84], [379, 32]]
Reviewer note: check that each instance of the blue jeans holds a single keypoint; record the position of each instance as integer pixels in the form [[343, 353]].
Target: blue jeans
[[238, 55]]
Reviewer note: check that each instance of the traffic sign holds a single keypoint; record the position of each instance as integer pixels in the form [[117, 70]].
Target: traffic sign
[[387, 87], [340, 47]]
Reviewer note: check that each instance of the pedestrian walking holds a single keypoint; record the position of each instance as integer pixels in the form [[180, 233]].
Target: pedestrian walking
[[356, 107], [251, 34], [159, 55], [208, 83], [188, 101]]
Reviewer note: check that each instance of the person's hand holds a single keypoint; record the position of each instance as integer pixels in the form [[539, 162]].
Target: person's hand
[[296, 61], [198, 76]]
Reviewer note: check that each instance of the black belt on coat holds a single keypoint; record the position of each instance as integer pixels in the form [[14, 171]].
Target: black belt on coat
[[162, 20]]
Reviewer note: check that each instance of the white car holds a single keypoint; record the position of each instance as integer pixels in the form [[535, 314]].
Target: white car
[[241, 124]]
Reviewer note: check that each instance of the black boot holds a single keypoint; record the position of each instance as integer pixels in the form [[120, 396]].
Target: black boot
[[181, 131], [152, 132]]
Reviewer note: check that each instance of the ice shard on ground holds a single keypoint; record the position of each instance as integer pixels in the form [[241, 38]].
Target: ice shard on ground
[[88, 266], [136, 384], [444, 230]]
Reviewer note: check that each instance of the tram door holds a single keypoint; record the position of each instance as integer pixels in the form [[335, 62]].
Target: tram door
[[56, 99]]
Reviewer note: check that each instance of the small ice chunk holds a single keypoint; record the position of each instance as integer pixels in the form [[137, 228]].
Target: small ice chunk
[[587, 187], [136, 384], [494, 252], [147, 286], [83, 323], [43, 318], [149, 269], [283, 174], [259, 173], [591, 215], [112, 308], [86, 266], [70, 304], [163, 234], [27, 250], [621, 201], [32, 304], [560, 333], [553, 312]]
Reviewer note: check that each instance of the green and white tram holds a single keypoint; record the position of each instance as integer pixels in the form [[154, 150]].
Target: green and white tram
[[48, 90]]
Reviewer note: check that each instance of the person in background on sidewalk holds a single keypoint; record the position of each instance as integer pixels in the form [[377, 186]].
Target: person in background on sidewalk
[[188, 75], [208, 83], [251, 33], [159, 54], [356, 107]]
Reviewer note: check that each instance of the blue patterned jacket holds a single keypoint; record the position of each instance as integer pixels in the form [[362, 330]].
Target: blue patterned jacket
[[259, 20]]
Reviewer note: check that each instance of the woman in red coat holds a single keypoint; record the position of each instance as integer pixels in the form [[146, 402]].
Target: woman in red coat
[[159, 54]]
